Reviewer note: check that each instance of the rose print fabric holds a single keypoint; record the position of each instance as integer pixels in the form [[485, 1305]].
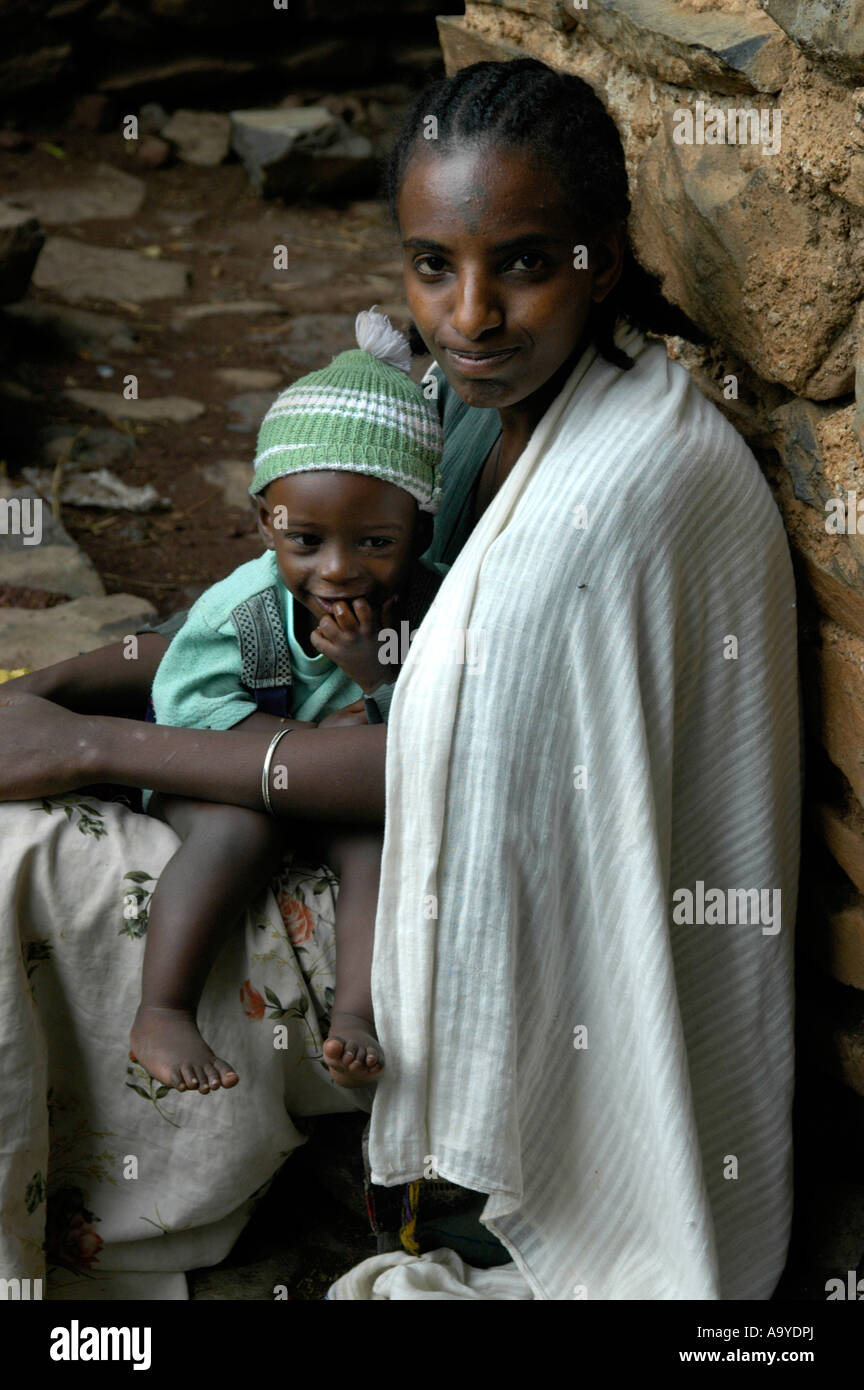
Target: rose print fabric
[[111, 1184]]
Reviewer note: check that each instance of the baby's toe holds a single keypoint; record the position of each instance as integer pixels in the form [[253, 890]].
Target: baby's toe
[[187, 1071], [226, 1073]]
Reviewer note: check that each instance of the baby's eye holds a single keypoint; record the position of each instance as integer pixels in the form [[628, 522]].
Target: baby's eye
[[377, 542], [304, 539]]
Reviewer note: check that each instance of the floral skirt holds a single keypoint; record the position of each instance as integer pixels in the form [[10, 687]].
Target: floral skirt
[[111, 1185]]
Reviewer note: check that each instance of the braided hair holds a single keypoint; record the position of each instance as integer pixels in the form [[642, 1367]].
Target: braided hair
[[560, 117]]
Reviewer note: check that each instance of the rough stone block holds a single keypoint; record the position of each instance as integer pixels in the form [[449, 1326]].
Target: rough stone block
[[831, 31], [711, 50], [461, 46], [843, 834], [776, 278], [559, 14], [836, 675], [849, 1047]]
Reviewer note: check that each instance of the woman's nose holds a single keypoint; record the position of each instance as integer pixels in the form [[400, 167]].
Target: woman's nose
[[476, 308]]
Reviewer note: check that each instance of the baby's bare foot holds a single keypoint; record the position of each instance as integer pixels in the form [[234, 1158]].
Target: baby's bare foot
[[352, 1051], [168, 1045]]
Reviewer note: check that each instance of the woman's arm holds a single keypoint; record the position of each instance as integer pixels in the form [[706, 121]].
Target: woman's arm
[[106, 681], [330, 774]]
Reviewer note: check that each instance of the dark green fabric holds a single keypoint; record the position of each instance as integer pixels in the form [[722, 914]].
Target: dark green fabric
[[469, 434]]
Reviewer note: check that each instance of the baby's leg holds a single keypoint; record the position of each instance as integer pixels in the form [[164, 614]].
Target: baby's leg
[[352, 1051], [228, 852]]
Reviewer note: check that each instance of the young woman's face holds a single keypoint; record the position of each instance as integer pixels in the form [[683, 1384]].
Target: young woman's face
[[488, 241], [339, 536]]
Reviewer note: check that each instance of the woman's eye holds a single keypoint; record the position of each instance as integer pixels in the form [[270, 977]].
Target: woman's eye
[[535, 256], [423, 261]]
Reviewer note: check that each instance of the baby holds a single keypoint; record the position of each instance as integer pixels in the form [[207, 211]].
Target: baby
[[346, 479]]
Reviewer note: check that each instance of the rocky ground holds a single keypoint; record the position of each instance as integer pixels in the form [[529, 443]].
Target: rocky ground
[[161, 281]]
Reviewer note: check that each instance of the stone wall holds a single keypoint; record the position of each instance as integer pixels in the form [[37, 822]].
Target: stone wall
[[762, 245]]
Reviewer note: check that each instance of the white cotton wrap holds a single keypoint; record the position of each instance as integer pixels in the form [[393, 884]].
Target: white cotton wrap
[[655, 1162]]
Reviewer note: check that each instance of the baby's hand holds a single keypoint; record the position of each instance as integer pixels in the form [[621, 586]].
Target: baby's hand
[[349, 636], [349, 714]]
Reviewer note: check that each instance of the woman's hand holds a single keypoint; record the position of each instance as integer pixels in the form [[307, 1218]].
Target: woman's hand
[[44, 748]]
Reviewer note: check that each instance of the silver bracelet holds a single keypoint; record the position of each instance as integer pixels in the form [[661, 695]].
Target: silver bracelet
[[265, 775]]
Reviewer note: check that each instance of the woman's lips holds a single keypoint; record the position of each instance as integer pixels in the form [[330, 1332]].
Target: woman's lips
[[479, 366]]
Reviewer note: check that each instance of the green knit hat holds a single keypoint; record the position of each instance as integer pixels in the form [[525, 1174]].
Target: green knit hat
[[361, 414]]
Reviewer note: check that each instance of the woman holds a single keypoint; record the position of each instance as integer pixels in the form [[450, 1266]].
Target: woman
[[592, 775]]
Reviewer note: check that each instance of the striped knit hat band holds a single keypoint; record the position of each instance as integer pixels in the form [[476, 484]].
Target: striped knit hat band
[[360, 414]]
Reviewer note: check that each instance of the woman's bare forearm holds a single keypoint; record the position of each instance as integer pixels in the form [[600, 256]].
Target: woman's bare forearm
[[111, 680], [329, 774]]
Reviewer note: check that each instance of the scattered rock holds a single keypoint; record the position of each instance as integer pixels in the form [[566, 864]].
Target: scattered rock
[[305, 152], [86, 449], [251, 406], [75, 271], [11, 596], [178, 410], [123, 26], [60, 326], [201, 137], [36, 639], [21, 240], [56, 563], [107, 192], [151, 118], [194, 312], [27, 71], [831, 31], [90, 112], [153, 152], [182, 77], [197, 14], [100, 488], [58, 568], [250, 378], [858, 421], [312, 340], [232, 477], [15, 140]]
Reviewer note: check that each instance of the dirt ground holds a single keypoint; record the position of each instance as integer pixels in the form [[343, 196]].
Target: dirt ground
[[340, 260]]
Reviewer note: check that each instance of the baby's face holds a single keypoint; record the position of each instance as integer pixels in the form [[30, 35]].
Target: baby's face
[[338, 536]]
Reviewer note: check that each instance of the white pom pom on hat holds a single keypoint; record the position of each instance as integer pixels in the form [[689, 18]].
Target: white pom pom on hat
[[376, 335], [361, 414]]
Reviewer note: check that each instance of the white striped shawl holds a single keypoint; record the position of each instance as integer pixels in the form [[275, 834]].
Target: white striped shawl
[[655, 1162]]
